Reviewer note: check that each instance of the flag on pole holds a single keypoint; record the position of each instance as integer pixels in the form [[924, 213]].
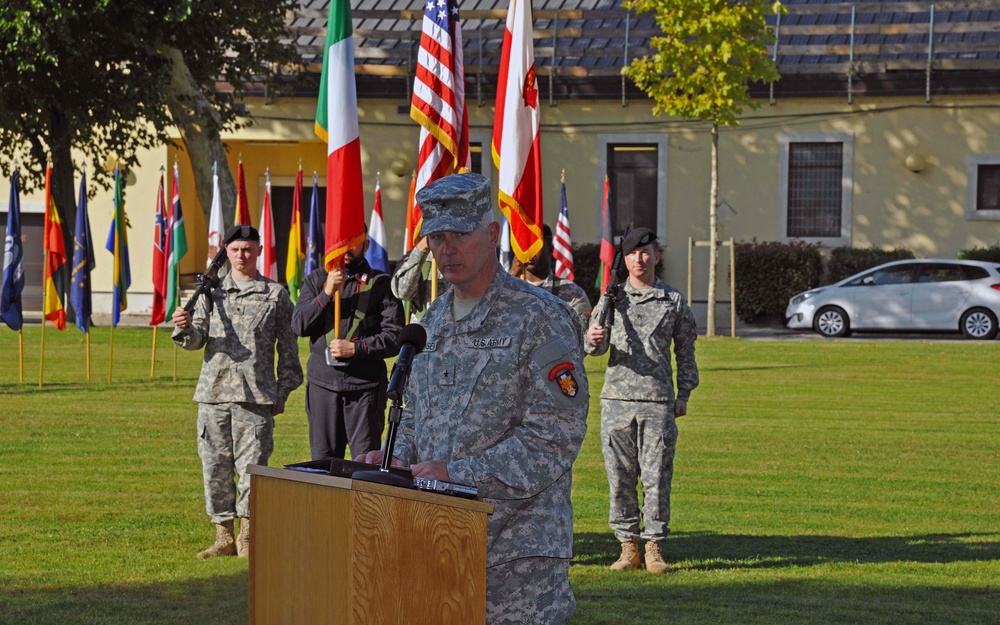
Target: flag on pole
[[337, 124], [117, 244], [215, 225], [267, 262], [438, 102], [159, 257], [177, 246], [562, 242], [13, 261], [314, 242], [412, 225], [296, 243], [516, 147], [376, 255], [242, 203], [83, 261], [55, 250], [607, 251]]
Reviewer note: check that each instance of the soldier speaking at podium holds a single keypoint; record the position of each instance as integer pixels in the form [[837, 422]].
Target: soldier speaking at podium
[[498, 399]]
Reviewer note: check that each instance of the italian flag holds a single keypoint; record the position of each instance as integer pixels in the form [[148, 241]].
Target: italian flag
[[516, 147], [337, 124]]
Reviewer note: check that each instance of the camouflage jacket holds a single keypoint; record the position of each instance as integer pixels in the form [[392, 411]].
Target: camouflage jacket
[[501, 396], [646, 321], [410, 281], [239, 337], [571, 293]]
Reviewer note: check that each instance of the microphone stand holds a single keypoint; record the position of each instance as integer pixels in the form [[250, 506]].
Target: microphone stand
[[383, 475]]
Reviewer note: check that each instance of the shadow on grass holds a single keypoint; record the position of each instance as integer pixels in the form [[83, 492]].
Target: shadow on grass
[[710, 551], [221, 600]]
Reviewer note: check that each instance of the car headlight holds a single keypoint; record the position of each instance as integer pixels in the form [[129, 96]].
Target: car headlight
[[801, 297]]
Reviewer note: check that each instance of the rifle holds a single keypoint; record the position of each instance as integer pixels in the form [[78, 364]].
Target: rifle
[[207, 281], [607, 318]]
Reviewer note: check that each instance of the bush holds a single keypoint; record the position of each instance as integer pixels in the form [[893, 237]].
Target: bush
[[768, 274], [847, 261], [586, 264], [989, 254]]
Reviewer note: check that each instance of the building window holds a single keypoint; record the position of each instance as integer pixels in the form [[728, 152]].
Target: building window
[[636, 167], [982, 198], [816, 187]]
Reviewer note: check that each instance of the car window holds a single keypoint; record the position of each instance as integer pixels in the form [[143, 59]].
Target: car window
[[971, 272], [940, 272], [902, 274]]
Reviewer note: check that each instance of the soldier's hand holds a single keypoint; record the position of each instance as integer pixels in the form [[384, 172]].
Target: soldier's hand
[[339, 348], [375, 457], [596, 334], [422, 244], [277, 408], [181, 319], [516, 267], [334, 280], [436, 469], [680, 408]]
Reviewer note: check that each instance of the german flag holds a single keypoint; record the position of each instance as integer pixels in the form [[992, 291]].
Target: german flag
[[55, 256]]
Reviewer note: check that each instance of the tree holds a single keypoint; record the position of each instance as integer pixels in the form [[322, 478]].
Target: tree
[[709, 54], [108, 78]]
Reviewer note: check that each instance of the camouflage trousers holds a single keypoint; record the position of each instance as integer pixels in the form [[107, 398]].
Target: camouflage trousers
[[529, 591], [639, 439], [230, 437]]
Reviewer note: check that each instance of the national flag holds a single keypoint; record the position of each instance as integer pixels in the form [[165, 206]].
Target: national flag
[[506, 254], [516, 146], [160, 238], [607, 251], [83, 262], [13, 261], [337, 124], [562, 242], [296, 243], [216, 228], [117, 244], [177, 246], [376, 255], [242, 203], [267, 262], [438, 101], [412, 222], [314, 242], [54, 293]]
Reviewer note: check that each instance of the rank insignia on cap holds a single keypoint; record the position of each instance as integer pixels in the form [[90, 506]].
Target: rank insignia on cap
[[563, 374], [245, 231]]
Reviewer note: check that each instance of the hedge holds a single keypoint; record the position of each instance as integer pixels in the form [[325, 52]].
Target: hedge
[[989, 254], [769, 273], [847, 261]]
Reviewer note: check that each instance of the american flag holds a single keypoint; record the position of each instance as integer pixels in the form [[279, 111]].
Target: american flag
[[562, 242], [438, 103]]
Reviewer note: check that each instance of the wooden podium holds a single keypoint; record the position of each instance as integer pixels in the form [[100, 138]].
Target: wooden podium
[[331, 550]]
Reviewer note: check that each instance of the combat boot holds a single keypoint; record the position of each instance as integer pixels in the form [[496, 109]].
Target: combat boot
[[243, 540], [225, 544], [629, 559], [654, 558]]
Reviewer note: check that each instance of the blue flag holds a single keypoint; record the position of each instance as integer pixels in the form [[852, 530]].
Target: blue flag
[[13, 261], [83, 262], [314, 241]]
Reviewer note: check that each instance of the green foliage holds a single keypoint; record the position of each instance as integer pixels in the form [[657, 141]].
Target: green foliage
[[769, 273], [709, 54], [847, 261], [989, 254], [586, 268]]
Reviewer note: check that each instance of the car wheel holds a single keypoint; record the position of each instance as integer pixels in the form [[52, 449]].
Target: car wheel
[[832, 322], [979, 323]]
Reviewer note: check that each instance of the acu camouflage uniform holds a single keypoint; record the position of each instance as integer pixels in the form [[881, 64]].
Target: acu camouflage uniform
[[638, 429], [501, 396], [237, 385], [411, 281], [571, 293]]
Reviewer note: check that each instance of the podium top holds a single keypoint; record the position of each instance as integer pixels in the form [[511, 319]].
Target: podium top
[[370, 487]]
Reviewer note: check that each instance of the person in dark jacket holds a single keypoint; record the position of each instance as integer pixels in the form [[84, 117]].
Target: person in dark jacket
[[346, 376]]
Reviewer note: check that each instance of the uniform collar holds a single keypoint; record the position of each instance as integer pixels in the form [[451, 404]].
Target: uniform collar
[[475, 319]]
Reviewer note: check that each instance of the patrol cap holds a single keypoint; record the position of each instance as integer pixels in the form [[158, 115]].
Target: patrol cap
[[454, 203], [640, 237], [241, 233]]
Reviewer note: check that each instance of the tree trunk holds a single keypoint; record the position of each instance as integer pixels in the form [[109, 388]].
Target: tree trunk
[[63, 173], [713, 227], [200, 126]]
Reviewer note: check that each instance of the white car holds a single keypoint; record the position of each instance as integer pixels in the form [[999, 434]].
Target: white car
[[923, 294]]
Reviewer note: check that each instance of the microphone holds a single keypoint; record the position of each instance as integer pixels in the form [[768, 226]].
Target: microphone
[[412, 340]]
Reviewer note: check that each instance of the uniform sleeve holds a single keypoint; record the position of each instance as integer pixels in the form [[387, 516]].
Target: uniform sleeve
[[407, 279], [196, 335], [405, 448], [546, 440], [599, 349], [308, 316], [685, 335], [385, 344], [580, 303], [289, 368]]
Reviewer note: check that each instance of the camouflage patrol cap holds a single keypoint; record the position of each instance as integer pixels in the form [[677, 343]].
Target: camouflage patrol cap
[[640, 237], [454, 203], [241, 233]]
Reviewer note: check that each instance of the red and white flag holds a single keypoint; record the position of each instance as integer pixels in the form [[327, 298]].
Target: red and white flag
[[267, 262], [242, 203], [438, 102], [562, 242], [160, 258], [516, 146]]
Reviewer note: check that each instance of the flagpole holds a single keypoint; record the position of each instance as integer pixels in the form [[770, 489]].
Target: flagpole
[[111, 356], [152, 364], [88, 349], [175, 362], [20, 355], [41, 356], [434, 279]]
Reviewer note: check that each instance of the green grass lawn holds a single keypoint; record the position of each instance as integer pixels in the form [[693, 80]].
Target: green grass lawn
[[816, 482]]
